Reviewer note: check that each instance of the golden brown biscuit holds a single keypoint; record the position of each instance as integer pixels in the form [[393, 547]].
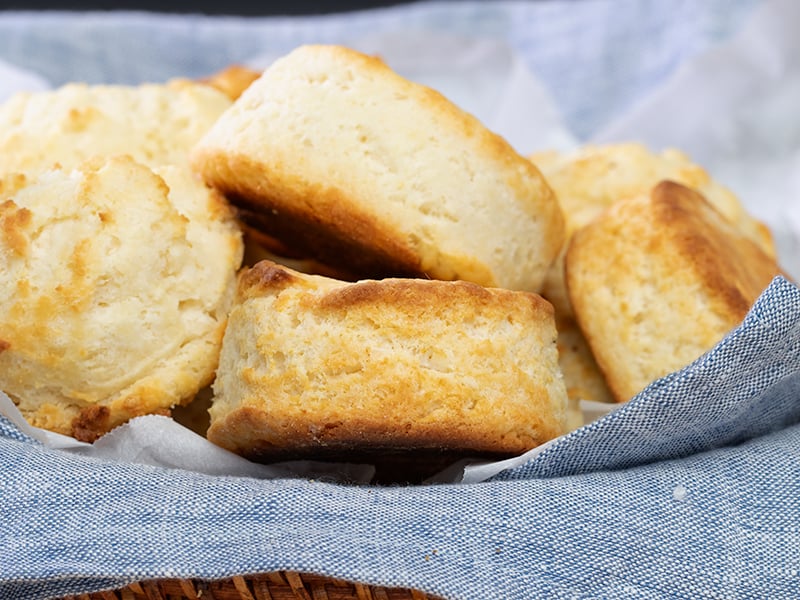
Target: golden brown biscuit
[[316, 367], [156, 124], [657, 280], [587, 181], [347, 162], [593, 177], [114, 290]]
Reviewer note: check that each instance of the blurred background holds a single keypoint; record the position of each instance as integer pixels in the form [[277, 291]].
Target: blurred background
[[215, 7]]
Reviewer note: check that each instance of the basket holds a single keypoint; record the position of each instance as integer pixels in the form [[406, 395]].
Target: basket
[[279, 585]]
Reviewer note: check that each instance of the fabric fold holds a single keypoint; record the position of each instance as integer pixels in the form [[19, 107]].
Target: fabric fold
[[747, 385]]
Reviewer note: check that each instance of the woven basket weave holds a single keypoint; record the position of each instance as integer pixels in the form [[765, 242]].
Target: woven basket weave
[[282, 585]]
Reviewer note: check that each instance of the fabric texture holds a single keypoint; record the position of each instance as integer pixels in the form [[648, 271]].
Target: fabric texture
[[690, 490]]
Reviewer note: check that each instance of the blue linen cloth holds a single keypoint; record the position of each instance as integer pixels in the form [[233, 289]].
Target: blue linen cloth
[[690, 490]]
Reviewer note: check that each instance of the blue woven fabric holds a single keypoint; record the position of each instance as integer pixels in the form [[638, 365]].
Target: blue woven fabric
[[691, 490]]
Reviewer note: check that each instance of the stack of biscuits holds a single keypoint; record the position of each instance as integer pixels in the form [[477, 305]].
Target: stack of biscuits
[[350, 265], [118, 262]]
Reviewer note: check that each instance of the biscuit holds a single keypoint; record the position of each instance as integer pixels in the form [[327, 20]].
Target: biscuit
[[657, 280], [591, 178], [232, 80], [313, 367], [156, 124], [582, 376], [349, 163], [114, 290], [586, 182]]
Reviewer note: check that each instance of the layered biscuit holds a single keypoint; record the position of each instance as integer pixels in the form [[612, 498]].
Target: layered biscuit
[[314, 367], [587, 181], [347, 162], [657, 280]]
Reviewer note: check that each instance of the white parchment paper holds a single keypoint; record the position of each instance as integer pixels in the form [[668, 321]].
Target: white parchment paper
[[13, 79], [736, 111], [733, 109]]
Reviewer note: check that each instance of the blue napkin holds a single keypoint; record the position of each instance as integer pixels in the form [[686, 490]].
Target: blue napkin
[[690, 490]]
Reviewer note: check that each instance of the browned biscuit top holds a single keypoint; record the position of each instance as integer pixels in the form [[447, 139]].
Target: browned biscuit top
[[732, 266]]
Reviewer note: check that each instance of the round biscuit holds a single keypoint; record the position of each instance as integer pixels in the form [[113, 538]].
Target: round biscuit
[[114, 290]]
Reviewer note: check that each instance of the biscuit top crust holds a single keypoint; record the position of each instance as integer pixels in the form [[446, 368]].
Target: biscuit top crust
[[594, 176], [155, 124], [267, 278], [734, 267], [14, 221], [319, 59], [232, 80], [678, 229]]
